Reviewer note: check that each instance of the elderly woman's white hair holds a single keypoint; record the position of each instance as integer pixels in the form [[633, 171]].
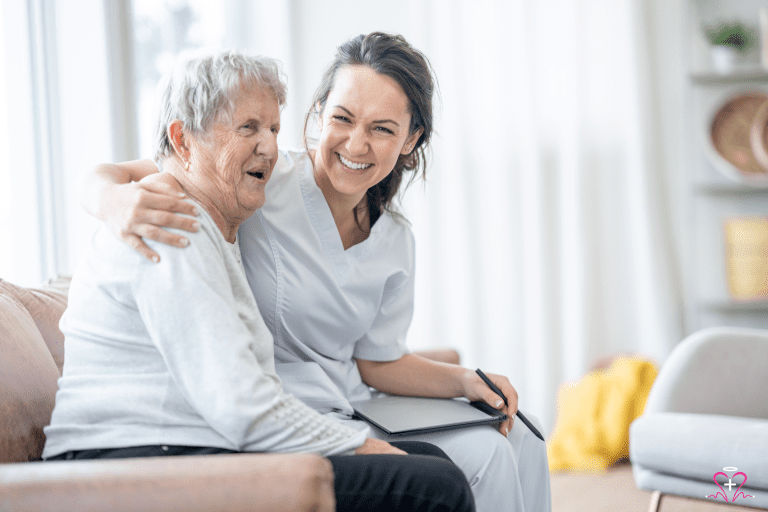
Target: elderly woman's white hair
[[200, 89]]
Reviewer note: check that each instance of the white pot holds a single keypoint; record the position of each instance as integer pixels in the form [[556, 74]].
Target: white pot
[[723, 59]]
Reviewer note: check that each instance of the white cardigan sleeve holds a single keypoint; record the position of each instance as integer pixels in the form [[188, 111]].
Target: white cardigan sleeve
[[194, 319]]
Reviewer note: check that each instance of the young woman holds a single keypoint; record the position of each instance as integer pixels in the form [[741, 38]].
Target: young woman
[[331, 262]]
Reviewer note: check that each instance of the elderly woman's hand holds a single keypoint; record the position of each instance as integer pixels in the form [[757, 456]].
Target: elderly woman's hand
[[141, 209], [377, 446]]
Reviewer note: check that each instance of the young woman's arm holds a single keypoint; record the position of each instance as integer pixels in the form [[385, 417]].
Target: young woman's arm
[[134, 204], [413, 375]]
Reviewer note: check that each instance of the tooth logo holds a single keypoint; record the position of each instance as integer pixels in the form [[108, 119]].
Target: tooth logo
[[730, 485]]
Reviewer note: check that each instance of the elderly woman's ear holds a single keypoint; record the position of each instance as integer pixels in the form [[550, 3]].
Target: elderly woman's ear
[[178, 142]]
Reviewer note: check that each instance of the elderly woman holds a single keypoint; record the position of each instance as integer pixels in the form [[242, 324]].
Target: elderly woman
[[174, 358]]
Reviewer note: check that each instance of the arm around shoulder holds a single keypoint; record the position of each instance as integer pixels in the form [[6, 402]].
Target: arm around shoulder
[[137, 203], [99, 187]]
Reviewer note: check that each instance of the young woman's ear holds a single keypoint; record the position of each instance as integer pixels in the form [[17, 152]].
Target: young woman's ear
[[177, 136], [411, 141]]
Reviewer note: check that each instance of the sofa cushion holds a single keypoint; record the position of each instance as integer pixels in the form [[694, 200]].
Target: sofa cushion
[[696, 446], [28, 383], [706, 491], [45, 305]]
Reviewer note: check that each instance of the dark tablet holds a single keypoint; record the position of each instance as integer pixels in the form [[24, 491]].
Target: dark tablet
[[405, 415]]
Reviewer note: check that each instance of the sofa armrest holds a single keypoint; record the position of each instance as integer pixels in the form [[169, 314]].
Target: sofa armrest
[[238, 482], [715, 371]]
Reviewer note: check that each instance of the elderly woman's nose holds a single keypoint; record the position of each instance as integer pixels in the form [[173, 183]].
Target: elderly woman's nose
[[267, 145], [357, 143]]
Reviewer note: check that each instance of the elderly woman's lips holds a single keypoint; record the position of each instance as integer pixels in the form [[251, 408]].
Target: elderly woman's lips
[[257, 174]]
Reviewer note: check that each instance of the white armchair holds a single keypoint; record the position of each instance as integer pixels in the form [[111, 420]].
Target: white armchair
[[707, 411]]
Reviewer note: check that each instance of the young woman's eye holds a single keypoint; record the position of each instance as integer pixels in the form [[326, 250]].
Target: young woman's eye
[[341, 118]]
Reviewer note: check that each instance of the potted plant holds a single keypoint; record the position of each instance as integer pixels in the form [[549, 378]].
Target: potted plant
[[728, 39]]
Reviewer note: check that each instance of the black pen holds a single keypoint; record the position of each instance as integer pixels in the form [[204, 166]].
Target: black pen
[[496, 390]]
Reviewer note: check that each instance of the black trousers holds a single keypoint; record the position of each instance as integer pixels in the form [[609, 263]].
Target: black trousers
[[425, 480]]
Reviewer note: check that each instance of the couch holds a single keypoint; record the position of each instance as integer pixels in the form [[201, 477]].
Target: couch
[[31, 359], [707, 413]]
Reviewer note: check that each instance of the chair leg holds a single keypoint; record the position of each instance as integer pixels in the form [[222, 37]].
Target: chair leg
[[655, 504]]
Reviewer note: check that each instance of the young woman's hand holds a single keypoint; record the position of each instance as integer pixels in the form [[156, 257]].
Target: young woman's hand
[[476, 389], [376, 446], [142, 209]]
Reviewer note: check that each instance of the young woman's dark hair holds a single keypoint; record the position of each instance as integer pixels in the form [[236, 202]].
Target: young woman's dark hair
[[390, 55]]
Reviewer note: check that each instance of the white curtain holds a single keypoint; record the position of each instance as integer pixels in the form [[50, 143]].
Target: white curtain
[[546, 230]]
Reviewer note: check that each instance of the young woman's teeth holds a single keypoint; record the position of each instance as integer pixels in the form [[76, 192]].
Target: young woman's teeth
[[353, 165]]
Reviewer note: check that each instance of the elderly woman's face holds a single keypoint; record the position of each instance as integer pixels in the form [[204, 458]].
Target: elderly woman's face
[[237, 159]]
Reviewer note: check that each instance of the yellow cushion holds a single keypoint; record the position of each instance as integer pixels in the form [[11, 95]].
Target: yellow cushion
[[592, 430]]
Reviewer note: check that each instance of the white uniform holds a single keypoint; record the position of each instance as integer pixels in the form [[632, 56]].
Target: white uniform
[[326, 306]]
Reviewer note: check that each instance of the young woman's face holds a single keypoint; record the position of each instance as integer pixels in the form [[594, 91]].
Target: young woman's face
[[364, 129]]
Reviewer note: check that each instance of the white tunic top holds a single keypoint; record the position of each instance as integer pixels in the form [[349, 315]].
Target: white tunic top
[[175, 353], [326, 306]]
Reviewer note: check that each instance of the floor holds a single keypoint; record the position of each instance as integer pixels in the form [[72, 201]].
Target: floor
[[615, 491]]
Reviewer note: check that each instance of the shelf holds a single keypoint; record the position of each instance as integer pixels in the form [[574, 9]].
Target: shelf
[[756, 75], [726, 306], [720, 189]]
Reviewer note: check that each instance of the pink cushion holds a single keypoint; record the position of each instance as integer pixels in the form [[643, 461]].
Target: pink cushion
[[45, 305], [28, 383]]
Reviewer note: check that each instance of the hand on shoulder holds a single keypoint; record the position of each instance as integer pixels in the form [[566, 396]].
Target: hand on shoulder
[[143, 209]]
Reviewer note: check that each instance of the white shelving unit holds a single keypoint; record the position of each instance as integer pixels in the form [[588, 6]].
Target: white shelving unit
[[714, 197]]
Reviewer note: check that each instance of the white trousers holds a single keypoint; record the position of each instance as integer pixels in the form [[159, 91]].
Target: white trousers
[[505, 474]]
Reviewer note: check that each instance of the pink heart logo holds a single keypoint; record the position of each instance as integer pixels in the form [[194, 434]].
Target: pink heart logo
[[738, 491], [722, 491], [725, 496]]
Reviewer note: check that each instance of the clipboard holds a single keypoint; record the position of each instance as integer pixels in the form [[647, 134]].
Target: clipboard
[[406, 415]]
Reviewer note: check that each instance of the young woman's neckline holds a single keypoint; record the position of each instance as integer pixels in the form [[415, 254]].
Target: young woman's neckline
[[360, 235], [322, 218]]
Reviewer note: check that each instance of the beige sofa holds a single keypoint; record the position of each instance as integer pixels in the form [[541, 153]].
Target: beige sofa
[[31, 358]]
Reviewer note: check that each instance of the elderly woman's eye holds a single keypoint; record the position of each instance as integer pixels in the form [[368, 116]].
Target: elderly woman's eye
[[384, 129]]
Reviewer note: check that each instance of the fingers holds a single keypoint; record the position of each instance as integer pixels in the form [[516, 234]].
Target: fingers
[[160, 235], [492, 398], [156, 184], [151, 212], [151, 199], [139, 246], [377, 446], [505, 427]]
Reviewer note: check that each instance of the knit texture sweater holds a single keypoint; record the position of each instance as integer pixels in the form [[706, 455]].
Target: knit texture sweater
[[176, 352]]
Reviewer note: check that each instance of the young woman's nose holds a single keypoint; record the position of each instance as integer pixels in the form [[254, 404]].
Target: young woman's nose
[[357, 144]]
